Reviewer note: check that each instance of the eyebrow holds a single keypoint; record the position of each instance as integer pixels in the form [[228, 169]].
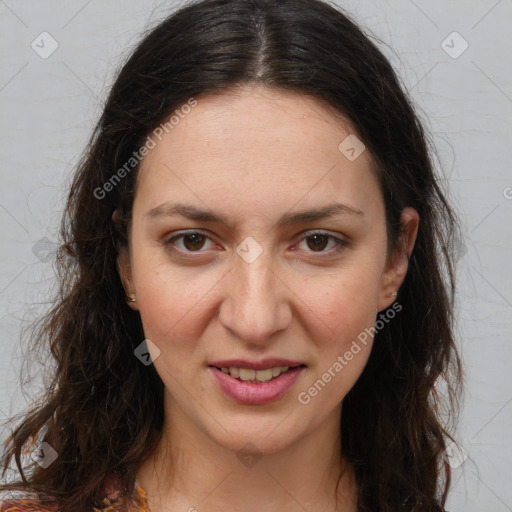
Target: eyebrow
[[288, 219]]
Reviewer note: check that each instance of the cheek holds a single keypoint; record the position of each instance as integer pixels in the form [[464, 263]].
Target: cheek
[[171, 313], [345, 314], [169, 298], [172, 309], [345, 302]]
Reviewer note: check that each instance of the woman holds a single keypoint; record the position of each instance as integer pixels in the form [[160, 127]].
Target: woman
[[257, 285]]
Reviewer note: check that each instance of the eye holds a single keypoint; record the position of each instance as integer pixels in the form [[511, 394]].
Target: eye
[[192, 241], [317, 241]]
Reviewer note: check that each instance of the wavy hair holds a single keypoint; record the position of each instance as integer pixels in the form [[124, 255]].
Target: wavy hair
[[102, 411]]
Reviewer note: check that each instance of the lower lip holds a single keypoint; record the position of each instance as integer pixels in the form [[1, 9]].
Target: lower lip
[[252, 393]]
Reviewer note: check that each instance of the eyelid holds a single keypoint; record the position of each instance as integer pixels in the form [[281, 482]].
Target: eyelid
[[311, 232]]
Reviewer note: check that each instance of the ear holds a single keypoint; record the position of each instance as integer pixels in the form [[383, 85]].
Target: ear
[[124, 269], [396, 267]]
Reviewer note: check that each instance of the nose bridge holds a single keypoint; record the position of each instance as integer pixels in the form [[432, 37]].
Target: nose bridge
[[256, 307]]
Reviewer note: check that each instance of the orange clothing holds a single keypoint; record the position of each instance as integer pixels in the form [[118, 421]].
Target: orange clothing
[[33, 505]]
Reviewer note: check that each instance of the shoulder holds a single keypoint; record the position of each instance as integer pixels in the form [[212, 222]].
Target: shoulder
[[29, 501]]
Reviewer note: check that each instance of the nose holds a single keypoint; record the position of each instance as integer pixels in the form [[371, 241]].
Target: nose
[[256, 301]]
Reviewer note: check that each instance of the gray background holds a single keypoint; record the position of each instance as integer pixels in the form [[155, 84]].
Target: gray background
[[49, 106]]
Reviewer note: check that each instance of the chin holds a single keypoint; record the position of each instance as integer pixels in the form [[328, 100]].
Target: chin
[[256, 435]]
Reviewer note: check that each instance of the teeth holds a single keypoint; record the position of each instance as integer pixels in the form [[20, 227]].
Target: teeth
[[264, 375], [247, 374]]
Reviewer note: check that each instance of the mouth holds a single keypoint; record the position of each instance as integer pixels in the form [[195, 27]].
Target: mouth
[[256, 383], [256, 376]]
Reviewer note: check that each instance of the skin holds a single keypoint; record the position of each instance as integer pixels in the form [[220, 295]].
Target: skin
[[253, 154]]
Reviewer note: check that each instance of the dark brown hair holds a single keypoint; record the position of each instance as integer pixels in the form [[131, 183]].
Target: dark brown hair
[[103, 410]]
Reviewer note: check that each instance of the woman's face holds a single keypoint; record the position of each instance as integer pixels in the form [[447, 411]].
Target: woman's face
[[269, 286]]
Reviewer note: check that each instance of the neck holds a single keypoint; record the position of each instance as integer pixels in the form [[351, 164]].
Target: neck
[[192, 472]]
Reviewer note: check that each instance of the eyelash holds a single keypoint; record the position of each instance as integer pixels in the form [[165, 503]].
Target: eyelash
[[340, 243]]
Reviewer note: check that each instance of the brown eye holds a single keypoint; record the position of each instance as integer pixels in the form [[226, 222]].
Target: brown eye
[[193, 241], [319, 242]]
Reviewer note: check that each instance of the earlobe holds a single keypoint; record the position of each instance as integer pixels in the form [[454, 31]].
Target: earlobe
[[124, 269], [125, 274], [396, 269]]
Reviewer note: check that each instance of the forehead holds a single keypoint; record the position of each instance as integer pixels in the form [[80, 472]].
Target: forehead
[[255, 146]]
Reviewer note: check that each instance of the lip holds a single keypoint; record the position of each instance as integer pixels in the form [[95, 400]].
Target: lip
[[252, 393], [271, 362]]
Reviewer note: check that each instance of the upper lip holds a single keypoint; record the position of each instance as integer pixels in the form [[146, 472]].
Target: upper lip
[[271, 362]]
